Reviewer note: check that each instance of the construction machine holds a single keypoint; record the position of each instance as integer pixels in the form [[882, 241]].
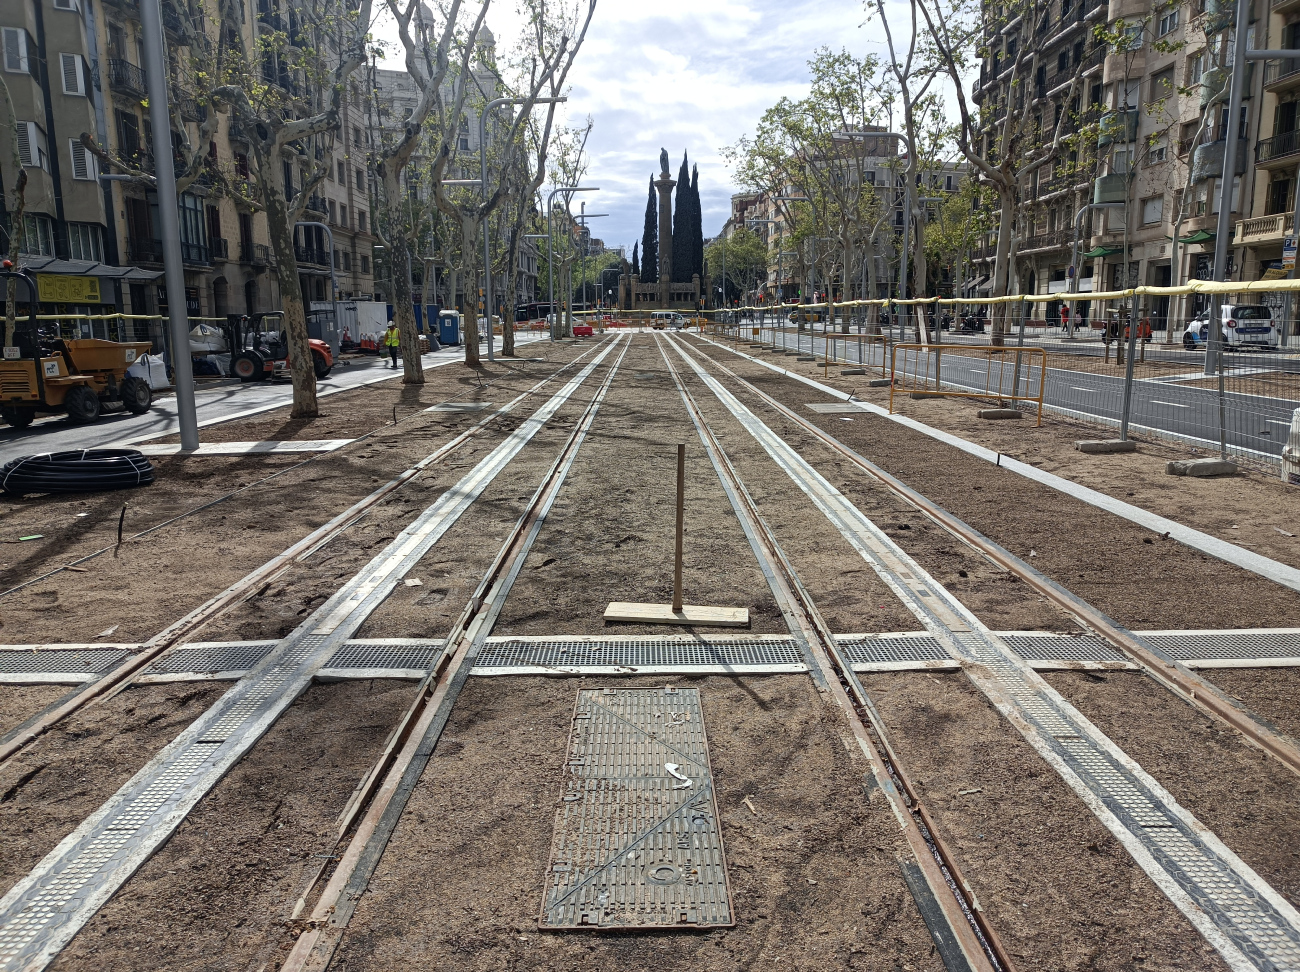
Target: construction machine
[[41, 373], [259, 348]]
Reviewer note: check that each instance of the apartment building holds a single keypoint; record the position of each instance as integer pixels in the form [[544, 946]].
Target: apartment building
[[1147, 121]]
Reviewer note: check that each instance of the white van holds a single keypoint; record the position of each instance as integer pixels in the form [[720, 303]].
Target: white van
[[1244, 325], [662, 319]]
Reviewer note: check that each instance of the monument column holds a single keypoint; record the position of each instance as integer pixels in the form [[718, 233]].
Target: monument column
[[665, 184]]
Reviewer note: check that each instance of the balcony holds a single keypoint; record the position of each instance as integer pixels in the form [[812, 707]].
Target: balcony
[[1270, 151], [143, 251], [1042, 242], [125, 76], [220, 249], [316, 204], [195, 254], [1279, 75], [312, 256], [1260, 230], [1284, 6]]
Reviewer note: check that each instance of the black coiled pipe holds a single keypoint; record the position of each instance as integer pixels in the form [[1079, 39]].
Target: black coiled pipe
[[76, 471]]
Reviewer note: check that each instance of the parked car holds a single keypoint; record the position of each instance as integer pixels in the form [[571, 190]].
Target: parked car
[[662, 319], [1244, 326]]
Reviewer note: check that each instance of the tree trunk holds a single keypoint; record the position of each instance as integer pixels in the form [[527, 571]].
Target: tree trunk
[[404, 309], [469, 305], [295, 316], [511, 275], [1002, 264]]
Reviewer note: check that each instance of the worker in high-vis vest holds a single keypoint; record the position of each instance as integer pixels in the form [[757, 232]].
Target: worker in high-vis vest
[[391, 342]]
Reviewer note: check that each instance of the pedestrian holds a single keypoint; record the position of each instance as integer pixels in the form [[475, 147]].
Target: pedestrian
[[392, 342], [1065, 317]]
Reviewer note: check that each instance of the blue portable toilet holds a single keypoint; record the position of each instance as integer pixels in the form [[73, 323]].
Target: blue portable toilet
[[449, 328]]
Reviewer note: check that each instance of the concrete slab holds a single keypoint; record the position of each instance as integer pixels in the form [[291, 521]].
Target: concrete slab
[[879, 382], [1201, 467], [244, 448], [852, 371], [1000, 413], [805, 357], [1102, 446]]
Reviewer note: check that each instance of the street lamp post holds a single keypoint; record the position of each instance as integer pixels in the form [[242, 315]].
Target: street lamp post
[[482, 165], [550, 249]]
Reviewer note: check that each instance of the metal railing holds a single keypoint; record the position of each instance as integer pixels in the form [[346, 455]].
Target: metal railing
[[125, 76], [1280, 70], [1003, 370], [1277, 147], [312, 255]]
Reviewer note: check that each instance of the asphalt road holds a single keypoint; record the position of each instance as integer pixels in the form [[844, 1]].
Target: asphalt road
[[1256, 422], [214, 405]]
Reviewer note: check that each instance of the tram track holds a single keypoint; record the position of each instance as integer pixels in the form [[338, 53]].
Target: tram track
[[1234, 909], [951, 911], [42, 912], [122, 675]]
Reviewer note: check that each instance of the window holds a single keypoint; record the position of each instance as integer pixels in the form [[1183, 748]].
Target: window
[[288, 180], [32, 150], [1131, 40], [65, 5], [1236, 195], [356, 135], [1167, 23], [1153, 210], [85, 242], [365, 264], [343, 216], [83, 163], [194, 243], [1157, 153], [361, 220], [464, 143], [333, 217], [343, 175], [19, 51], [361, 179], [347, 260], [1195, 68], [38, 234], [1162, 85], [1121, 159], [73, 70]]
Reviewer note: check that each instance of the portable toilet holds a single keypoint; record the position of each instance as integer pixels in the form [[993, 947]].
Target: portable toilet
[[449, 328]]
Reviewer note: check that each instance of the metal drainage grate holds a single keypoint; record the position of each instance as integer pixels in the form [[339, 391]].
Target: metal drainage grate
[[59, 662], [209, 658], [647, 654], [1034, 646], [384, 655], [834, 408], [1246, 643], [890, 649], [637, 842]]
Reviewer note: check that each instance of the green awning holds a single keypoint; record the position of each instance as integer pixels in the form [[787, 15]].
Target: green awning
[[1200, 236], [1098, 252]]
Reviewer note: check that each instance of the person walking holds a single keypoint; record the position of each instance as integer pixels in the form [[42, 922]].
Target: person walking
[[392, 342]]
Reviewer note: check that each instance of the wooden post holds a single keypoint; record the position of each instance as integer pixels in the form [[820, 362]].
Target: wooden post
[[681, 506]]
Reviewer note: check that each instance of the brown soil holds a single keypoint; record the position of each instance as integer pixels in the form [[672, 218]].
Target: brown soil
[[156, 580], [18, 703], [1256, 504], [49, 788], [246, 852], [1062, 893], [814, 879], [1245, 796], [1098, 556], [1271, 693], [610, 534]]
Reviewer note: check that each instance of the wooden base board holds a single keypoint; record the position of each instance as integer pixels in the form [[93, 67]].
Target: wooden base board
[[718, 617]]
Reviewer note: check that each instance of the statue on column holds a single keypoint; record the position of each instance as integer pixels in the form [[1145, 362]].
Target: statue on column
[[663, 161]]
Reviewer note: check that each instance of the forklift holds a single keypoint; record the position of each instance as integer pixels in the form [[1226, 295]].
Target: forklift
[[259, 348], [42, 373]]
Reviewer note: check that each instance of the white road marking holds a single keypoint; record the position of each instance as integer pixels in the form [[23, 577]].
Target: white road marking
[[1174, 404]]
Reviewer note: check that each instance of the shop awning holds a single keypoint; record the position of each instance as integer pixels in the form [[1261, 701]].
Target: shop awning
[[86, 268], [1200, 236], [1098, 252]]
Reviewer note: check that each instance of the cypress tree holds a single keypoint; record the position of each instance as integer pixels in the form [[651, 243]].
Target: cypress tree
[[683, 251], [636, 264], [650, 239], [697, 225]]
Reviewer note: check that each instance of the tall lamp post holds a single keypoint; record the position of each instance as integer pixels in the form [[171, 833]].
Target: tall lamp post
[[169, 222], [482, 166], [550, 249]]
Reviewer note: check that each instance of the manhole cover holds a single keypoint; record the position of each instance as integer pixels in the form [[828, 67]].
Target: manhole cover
[[637, 842]]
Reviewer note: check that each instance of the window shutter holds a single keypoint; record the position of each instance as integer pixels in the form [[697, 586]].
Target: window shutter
[[73, 80], [83, 163], [65, 4], [25, 144]]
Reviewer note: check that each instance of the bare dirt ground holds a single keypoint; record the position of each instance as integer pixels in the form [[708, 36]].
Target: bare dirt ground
[[1060, 890], [157, 579], [49, 788], [814, 880], [1245, 796], [1272, 693], [18, 703], [1248, 509], [214, 897]]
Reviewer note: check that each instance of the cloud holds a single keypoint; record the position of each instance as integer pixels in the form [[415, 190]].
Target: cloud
[[691, 75]]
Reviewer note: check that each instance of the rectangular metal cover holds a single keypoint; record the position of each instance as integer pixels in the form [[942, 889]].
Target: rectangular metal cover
[[637, 840]]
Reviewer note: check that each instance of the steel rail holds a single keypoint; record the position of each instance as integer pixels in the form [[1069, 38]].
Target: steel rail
[[974, 944], [382, 795], [114, 681], [1161, 666]]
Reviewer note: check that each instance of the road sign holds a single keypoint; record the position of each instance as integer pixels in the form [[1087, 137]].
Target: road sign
[[1288, 252]]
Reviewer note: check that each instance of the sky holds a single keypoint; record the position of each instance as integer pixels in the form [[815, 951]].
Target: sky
[[685, 75]]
